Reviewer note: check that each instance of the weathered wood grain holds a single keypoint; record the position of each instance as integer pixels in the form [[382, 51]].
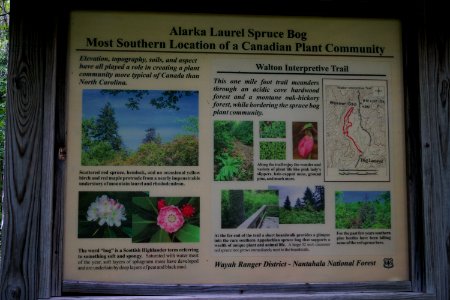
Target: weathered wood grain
[[230, 289], [56, 276], [411, 25], [434, 71], [272, 296], [28, 160]]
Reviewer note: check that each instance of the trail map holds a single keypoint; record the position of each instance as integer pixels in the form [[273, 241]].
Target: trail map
[[356, 138]]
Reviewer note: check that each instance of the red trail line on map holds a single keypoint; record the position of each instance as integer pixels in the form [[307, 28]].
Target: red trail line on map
[[347, 125]]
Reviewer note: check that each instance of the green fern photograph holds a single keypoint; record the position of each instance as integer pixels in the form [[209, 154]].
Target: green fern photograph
[[233, 150]]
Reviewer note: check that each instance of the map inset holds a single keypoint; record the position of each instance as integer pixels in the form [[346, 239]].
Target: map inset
[[356, 130]]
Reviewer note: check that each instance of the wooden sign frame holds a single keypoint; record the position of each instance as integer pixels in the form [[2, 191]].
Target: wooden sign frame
[[32, 247]]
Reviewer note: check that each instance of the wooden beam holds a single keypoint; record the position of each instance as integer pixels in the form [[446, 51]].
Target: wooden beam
[[254, 219], [433, 59], [29, 159]]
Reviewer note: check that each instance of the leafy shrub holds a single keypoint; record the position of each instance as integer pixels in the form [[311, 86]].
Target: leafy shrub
[[100, 154], [272, 150], [233, 158], [252, 201], [182, 151], [301, 216], [148, 154], [374, 214], [223, 138], [228, 167], [255, 199], [243, 131], [272, 129]]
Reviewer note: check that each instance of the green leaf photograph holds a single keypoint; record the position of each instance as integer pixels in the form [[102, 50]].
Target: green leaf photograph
[[166, 220], [105, 214], [272, 150], [272, 129], [233, 150]]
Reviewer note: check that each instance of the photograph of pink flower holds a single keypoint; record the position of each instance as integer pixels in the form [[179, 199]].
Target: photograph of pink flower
[[166, 220], [170, 219], [304, 140]]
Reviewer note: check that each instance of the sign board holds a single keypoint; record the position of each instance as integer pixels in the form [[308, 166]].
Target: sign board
[[218, 149]]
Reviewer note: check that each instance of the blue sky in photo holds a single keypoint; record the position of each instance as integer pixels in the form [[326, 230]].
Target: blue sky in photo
[[133, 123], [293, 192], [355, 196]]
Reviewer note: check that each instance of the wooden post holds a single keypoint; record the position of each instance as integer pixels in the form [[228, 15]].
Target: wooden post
[[434, 78], [29, 159]]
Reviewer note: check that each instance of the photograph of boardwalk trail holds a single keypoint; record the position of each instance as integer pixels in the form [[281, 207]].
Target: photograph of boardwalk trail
[[301, 205], [233, 150], [363, 209], [139, 128], [245, 209]]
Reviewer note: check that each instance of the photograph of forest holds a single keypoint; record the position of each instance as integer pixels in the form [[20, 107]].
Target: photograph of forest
[[233, 150], [363, 209], [139, 128], [301, 205], [239, 205]]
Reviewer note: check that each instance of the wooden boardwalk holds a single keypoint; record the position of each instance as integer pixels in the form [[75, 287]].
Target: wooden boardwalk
[[260, 220], [270, 222]]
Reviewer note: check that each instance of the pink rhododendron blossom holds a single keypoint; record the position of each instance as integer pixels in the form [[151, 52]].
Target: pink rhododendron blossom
[[305, 146], [106, 210], [188, 210], [170, 218]]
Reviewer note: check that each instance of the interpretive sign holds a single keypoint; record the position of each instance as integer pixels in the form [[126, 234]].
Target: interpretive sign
[[207, 149]]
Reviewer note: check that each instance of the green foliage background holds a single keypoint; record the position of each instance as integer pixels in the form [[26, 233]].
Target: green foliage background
[[253, 200], [272, 129], [272, 150], [301, 216], [229, 162], [362, 214]]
